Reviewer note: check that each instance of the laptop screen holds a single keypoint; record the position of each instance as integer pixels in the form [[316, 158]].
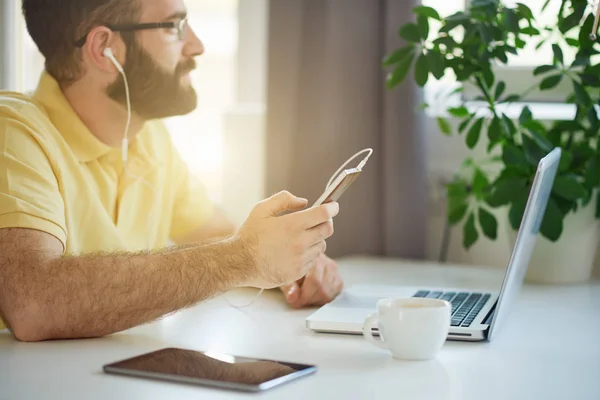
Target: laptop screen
[[526, 237]]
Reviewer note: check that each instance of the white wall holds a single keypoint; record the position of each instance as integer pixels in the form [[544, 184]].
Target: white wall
[[8, 44]]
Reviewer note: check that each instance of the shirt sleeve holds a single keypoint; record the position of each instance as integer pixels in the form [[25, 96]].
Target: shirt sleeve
[[29, 191], [192, 205]]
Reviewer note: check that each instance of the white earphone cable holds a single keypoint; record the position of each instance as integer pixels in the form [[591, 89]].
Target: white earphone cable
[[125, 150]]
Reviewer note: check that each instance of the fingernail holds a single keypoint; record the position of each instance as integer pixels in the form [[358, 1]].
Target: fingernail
[[292, 290]]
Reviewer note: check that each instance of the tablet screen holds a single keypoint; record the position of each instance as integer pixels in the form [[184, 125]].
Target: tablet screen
[[210, 369]]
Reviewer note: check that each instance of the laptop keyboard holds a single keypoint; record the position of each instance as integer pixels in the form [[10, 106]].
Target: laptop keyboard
[[465, 305]]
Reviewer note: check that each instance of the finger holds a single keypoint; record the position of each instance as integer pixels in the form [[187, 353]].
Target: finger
[[319, 233], [312, 286], [291, 292], [314, 252], [315, 216], [281, 202]]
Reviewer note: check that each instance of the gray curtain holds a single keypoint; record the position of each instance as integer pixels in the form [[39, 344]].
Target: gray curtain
[[327, 100]]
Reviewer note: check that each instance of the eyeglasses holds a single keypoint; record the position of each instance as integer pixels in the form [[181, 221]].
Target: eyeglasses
[[181, 26]]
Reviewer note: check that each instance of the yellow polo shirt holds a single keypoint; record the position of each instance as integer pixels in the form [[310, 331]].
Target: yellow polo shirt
[[57, 177]]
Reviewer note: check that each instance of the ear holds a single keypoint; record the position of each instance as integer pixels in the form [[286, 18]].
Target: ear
[[99, 39]]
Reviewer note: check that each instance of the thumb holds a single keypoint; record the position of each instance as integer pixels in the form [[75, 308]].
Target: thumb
[[283, 201], [291, 292]]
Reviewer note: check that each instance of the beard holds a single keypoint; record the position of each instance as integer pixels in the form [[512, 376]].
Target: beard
[[154, 92]]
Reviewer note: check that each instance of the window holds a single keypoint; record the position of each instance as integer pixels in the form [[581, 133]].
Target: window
[[199, 135], [517, 73]]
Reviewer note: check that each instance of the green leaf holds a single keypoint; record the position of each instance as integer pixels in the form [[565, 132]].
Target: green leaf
[[494, 133], [517, 210], [421, 71], [488, 224], [459, 112], [530, 30], [399, 74], [459, 16], [558, 54], [525, 116], [583, 97], [470, 234], [542, 69], [457, 190], [444, 126], [551, 82], [572, 42], [524, 11], [511, 21], [509, 127], [474, 133], [540, 44], [506, 191], [520, 43], [592, 173], [545, 5], [399, 55], [480, 183], [538, 132], [427, 12], [565, 161], [552, 224], [423, 25], [512, 98], [410, 33], [457, 213], [514, 157], [489, 77], [500, 88], [533, 153], [568, 188], [465, 123], [437, 64]]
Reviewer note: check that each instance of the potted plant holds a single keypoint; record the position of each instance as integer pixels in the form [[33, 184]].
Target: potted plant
[[472, 45]]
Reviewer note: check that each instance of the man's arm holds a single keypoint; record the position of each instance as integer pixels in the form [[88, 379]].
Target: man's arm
[[47, 296], [320, 286], [44, 295]]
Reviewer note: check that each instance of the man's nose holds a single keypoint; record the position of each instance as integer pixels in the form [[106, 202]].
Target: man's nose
[[193, 45]]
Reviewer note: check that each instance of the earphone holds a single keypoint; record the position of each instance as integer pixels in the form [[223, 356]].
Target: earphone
[[108, 53]]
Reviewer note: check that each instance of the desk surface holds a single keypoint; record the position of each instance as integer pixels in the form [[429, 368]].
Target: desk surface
[[549, 349]]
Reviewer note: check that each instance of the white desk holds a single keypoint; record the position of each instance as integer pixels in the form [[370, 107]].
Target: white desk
[[550, 349]]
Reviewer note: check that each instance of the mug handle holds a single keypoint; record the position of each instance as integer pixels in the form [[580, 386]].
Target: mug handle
[[370, 323]]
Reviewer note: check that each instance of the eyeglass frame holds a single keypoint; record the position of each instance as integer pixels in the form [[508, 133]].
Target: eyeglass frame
[[181, 26]]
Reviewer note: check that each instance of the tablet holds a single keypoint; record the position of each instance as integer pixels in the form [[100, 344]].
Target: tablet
[[210, 369]]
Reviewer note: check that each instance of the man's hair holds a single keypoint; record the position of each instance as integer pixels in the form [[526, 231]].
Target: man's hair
[[55, 26]]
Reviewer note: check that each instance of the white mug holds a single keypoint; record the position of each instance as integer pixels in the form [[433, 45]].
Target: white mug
[[410, 328]]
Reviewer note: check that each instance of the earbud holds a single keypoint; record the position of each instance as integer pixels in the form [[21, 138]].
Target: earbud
[[109, 54]]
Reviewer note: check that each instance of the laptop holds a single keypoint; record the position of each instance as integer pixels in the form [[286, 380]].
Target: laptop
[[476, 315]]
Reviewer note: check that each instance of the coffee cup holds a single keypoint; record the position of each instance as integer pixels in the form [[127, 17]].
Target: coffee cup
[[410, 328]]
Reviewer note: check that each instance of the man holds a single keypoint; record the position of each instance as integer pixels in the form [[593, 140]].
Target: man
[[76, 221]]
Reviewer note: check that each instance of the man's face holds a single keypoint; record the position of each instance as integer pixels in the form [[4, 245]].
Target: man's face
[[158, 64]]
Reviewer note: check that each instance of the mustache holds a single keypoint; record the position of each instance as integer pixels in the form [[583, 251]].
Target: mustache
[[186, 67]]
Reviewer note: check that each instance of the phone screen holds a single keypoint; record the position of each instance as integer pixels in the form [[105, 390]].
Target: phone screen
[[206, 368]]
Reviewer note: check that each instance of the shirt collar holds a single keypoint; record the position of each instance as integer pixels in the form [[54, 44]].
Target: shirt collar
[[82, 142]]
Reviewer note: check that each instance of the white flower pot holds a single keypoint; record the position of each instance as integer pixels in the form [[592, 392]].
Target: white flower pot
[[571, 259]]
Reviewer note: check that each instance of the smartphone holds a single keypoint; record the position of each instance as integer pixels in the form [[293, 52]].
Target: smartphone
[[338, 186], [210, 369]]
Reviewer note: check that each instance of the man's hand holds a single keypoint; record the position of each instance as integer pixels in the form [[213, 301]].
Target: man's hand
[[320, 286], [276, 249]]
